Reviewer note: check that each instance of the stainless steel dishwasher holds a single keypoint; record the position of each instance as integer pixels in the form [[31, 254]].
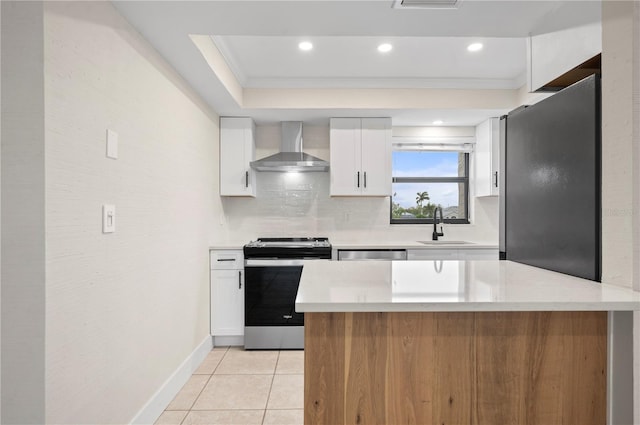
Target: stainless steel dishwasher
[[371, 254]]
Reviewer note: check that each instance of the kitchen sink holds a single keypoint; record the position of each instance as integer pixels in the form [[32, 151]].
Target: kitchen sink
[[445, 242]]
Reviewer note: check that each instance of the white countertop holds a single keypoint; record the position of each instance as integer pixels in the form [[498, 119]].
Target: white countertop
[[442, 244], [490, 285], [230, 245]]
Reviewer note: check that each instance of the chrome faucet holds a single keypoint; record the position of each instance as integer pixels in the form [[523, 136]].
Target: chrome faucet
[[435, 221]]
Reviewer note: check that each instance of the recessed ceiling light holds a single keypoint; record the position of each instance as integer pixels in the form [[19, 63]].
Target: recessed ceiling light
[[438, 122], [305, 45], [385, 47], [474, 47]]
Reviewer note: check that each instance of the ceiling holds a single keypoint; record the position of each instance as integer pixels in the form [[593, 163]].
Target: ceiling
[[258, 40]]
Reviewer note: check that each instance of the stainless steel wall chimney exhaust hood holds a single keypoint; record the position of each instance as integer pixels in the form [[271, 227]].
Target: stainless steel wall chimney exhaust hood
[[290, 157]]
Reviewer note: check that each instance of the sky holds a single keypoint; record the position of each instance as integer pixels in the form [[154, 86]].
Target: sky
[[425, 164]]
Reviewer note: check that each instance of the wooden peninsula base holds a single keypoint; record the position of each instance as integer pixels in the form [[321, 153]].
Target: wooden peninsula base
[[456, 368]]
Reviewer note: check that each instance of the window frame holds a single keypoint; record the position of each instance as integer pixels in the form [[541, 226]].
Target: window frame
[[464, 180]]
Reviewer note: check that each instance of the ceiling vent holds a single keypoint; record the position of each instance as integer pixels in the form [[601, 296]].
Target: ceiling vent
[[426, 4]]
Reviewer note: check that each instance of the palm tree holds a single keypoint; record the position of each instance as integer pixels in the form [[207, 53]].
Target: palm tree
[[422, 196]]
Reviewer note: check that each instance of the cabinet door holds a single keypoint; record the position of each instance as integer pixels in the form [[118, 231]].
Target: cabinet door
[[433, 254], [478, 254], [376, 156], [345, 157], [487, 158], [495, 156], [227, 302], [237, 150]]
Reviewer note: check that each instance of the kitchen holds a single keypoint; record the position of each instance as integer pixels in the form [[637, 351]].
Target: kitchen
[[122, 292]]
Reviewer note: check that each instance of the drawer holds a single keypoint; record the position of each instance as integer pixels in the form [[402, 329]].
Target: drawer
[[227, 260]]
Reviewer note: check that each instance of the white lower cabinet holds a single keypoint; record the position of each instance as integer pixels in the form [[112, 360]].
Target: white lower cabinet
[[433, 254], [227, 296], [453, 254], [478, 254]]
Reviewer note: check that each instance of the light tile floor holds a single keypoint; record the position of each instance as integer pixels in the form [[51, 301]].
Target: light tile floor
[[233, 386]]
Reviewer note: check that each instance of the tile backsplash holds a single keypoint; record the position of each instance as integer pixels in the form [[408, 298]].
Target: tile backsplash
[[298, 204]]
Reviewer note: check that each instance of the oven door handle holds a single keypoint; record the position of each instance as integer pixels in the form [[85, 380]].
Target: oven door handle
[[272, 263]]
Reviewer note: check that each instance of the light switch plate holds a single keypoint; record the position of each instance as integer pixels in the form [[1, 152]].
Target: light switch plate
[[112, 144], [108, 218]]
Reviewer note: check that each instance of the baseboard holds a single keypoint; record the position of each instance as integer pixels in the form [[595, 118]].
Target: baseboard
[[161, 399], [228, 340]]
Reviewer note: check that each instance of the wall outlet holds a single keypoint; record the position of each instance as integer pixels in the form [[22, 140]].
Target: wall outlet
[[108, 218]]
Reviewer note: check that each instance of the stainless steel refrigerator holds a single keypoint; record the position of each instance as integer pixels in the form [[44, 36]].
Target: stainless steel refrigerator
[[550, 206]]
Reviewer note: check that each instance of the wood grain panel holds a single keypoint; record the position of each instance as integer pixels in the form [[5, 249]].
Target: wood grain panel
[[455, 368], [501, 354], [324, 392], [587, 376], [541, 368], [365, 376], [409, 381]]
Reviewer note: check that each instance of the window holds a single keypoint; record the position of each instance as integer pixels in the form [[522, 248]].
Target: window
[[424, 180]]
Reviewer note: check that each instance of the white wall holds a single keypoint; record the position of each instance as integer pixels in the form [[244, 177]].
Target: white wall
[[617, 133], [123, 310], [636, 200], [0, 215], [552, 54], [300, 205], [23, 214], [619, 159]]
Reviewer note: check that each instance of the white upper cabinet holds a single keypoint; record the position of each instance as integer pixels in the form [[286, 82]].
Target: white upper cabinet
[[360, 156], [487, 158], [550, 55], [237, 150]]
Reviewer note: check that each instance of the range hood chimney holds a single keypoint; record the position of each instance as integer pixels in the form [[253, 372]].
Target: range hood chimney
[[290, 157]]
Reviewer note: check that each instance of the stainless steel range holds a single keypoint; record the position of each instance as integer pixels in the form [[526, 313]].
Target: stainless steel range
[[273, 267]]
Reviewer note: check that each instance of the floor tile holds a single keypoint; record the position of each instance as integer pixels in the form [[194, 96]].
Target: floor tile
[[284, 417], [237, 361], [226, 417], [287, 392], [188, 394], [171, 417], [227, 392], [290, 362], [220, 348], [210, 362]]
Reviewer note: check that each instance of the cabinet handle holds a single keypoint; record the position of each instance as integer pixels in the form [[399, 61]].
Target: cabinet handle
[[358, 179], [495, 179], [246, 179], [239, 279], [226, 259], [365, 179]]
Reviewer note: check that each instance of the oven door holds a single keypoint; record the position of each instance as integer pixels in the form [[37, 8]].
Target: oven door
[[270, 293]]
